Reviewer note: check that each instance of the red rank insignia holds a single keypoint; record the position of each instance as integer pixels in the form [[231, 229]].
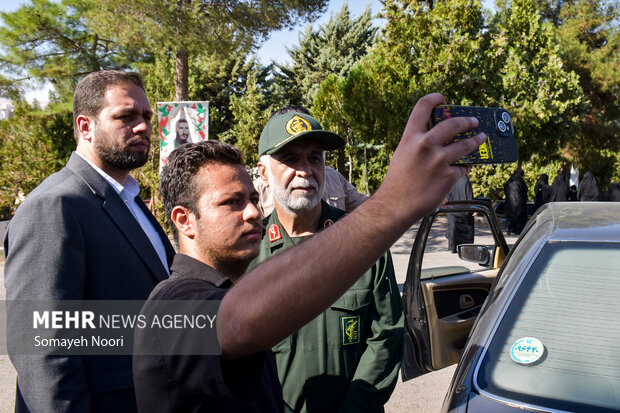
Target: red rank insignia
[[274, 233]]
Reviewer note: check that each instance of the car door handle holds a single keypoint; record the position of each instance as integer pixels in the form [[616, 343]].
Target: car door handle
[[466, 301]]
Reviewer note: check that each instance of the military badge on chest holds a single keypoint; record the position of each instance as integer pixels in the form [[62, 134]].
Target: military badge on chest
[[350, 329]]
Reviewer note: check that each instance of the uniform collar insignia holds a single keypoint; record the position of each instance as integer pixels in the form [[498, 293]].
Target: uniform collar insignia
[[274, 233], [328, 223]]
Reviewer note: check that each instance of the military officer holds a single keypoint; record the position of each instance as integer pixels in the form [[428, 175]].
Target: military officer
[[347, 358]]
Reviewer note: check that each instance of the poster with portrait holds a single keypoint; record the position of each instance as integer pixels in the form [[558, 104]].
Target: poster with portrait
[[180, 123]]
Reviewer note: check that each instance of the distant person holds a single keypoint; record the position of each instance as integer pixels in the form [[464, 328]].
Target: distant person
[[572, 195], [613, 193], [515, 190], [560, 190], [460, 224], [542, 191], [588, 189], [182, 133]]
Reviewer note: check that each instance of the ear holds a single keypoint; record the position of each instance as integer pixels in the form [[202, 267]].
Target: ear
[[184, 220], [262, 172], [86, 127]]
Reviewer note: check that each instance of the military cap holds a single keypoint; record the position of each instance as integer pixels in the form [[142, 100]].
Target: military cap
[[288, 127]]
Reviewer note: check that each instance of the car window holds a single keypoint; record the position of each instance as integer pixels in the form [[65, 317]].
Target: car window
[[558, 344], [438, 259]]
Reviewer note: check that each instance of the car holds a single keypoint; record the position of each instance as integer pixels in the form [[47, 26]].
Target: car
[[535, 329]]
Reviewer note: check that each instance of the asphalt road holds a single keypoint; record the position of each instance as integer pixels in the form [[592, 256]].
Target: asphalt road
[[424, 394]]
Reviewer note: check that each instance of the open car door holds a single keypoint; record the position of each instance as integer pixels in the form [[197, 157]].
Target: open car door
[[444, 291]]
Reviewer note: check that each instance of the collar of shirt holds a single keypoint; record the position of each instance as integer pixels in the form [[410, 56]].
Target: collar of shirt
[[184, 265], [131, 185], [329, 215], [128, 194]]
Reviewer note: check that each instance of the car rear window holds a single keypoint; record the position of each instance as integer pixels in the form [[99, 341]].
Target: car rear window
[[558, 344]]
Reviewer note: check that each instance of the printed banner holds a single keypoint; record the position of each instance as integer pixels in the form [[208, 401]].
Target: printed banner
[[179, 123]]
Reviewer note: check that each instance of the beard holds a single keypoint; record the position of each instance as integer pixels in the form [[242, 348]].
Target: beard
[[116, 155], [296, 203], [182, 137]]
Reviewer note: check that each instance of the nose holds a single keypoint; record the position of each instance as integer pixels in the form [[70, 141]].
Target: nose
[[303, 168], [251, 212], [143, 127]]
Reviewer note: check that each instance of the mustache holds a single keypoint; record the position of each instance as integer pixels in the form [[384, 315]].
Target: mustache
[[138, 139], [299, 182]]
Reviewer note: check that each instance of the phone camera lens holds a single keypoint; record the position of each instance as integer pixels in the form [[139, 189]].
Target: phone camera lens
[[506, 117], [501, 126]]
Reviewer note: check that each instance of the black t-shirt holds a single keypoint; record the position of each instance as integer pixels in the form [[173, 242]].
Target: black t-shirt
[[203, 383]]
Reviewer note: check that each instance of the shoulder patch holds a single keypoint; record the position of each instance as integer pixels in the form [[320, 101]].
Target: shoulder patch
[[274, 233]]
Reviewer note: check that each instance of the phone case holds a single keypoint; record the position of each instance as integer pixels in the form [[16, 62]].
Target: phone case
[[496, 123]]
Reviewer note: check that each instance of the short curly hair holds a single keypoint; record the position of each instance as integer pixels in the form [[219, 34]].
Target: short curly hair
[[177, 185]]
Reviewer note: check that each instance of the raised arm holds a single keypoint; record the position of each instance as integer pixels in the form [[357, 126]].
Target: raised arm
[[254, 318]]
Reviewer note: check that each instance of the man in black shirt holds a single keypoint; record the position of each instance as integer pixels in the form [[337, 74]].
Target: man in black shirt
[[211, 204]]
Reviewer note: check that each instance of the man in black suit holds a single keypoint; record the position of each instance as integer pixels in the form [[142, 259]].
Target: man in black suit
[[85, 234]]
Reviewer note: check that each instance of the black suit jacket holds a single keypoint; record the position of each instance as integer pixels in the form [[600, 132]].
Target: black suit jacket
[[73, 238]]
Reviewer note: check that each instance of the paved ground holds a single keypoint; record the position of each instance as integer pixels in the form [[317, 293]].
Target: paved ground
[[421, 395]]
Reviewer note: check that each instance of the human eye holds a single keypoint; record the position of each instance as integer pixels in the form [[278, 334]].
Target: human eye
[[234, 201], [315, 157]]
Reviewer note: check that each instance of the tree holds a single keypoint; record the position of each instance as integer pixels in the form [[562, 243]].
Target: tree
[[421, 50], [33, 145], [588, 33], [190, 27], [50, 41], [545, 99], [333, 48], [251, 111]]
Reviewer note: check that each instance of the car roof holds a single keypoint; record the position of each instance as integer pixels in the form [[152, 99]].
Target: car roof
[[581, 221]]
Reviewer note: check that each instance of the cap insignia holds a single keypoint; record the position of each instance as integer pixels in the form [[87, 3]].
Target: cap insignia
[[297, 125]]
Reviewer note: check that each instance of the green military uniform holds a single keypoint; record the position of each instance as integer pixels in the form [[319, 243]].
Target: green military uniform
[[346, 359]]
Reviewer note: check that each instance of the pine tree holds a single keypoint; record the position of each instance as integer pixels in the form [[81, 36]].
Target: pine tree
[[186, 28], [332, 48]]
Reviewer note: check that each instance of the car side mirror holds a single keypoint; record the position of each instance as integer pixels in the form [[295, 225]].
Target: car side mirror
[[475, 253]]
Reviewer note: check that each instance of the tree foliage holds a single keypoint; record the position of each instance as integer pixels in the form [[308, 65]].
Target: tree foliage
[[327, 54], [33, 145], [251, 111], [189, 27], [552, 63], [331, 49], [50, 41], [588, 33], [544, 98]]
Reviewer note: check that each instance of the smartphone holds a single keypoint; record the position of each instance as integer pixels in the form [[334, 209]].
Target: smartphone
[[496, 123]]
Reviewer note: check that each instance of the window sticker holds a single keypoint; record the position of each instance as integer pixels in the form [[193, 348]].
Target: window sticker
[[527, 350]]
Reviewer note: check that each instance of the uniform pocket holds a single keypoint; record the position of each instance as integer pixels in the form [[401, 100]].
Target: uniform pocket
[[348, 318]]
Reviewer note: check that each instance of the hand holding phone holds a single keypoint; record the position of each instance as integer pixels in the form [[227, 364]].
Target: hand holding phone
[[496, 123]]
